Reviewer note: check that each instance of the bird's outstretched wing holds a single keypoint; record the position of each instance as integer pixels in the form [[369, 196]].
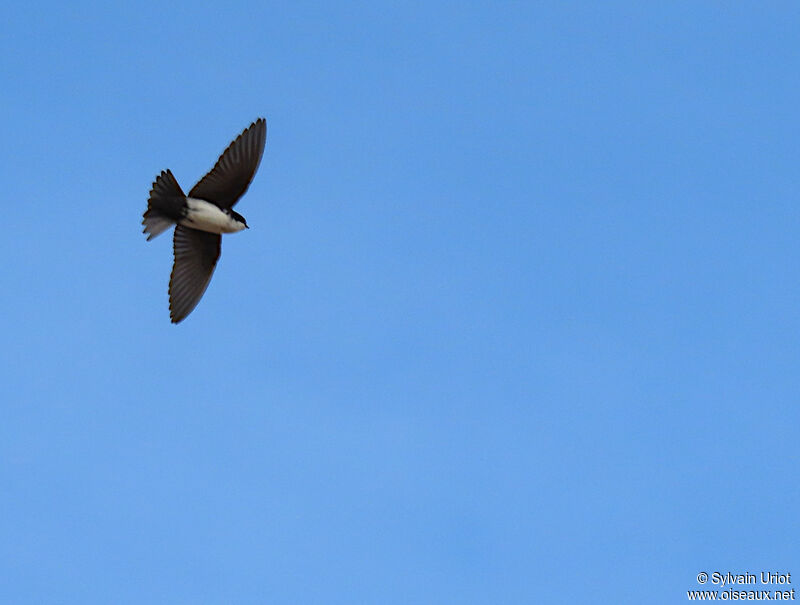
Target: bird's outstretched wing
[[231, 175], [196, 253]]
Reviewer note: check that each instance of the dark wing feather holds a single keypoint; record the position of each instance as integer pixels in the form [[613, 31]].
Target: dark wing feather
[[196, 253], [234, 170]]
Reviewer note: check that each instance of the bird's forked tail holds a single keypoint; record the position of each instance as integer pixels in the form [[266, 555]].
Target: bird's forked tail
[[164, 205]]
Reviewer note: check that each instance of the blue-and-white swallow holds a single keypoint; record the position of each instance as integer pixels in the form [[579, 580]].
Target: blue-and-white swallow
[[202, 216]]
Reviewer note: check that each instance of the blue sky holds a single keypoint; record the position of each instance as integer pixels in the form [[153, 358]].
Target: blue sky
[[516, 321]]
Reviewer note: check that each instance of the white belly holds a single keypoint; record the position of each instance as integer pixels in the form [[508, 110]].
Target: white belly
[[208, 217]]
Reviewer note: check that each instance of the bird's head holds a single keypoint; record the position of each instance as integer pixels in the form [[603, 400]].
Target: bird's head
[[239, 219]]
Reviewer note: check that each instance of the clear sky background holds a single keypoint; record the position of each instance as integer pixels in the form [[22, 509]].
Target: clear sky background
[[517, 319]]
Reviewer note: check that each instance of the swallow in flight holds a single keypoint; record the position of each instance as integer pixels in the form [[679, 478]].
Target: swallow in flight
[[201, 217]]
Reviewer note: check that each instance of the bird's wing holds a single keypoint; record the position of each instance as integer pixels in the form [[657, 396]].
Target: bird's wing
[[196, 253], [231, 175]]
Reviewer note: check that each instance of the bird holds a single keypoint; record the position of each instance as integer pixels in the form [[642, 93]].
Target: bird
[[202, 216]]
